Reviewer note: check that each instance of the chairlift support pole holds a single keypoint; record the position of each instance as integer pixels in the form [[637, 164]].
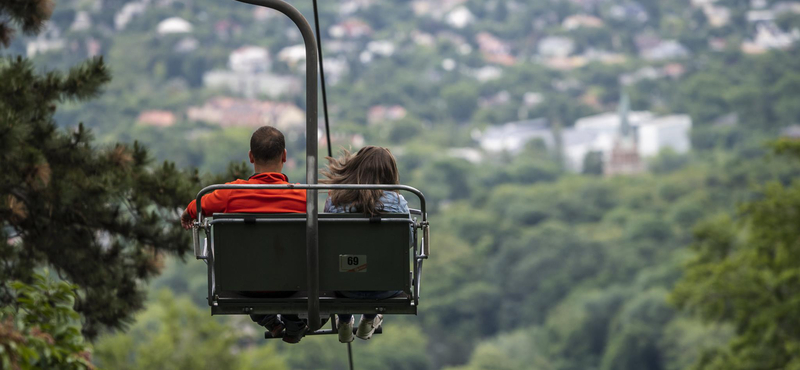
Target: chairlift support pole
[[312, 225]]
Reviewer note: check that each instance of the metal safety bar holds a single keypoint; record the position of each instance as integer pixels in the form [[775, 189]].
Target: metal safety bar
[[297, 220]]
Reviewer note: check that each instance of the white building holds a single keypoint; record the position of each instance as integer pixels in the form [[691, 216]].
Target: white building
[[610, 122], [82, 21], [48, 40], [126, 14], [252, 85], [174, 25], [599, 132], [664, 132], [250, 59], [512, 137], [460, 17], [556, 46], [293, 55], [667, 49]]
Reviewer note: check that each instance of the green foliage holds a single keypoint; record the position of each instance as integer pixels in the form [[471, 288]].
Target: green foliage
[[173, 333], [99, 216], [40, 330], [593, 163], [29, 15], [461, 99], [745, 272]]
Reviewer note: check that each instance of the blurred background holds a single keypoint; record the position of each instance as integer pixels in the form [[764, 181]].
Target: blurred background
[[610, 180]]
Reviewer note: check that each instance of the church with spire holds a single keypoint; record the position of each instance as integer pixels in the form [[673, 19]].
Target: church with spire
[[624, 158]]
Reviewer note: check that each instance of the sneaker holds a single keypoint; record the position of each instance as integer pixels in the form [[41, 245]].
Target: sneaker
[[346, 330], [276, 329], [293, 338], [367, 327]]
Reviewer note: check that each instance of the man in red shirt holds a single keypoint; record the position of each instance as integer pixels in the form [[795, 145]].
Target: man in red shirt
[[267, 154]]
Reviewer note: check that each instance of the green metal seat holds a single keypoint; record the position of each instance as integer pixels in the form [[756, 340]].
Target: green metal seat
[[266, 253]]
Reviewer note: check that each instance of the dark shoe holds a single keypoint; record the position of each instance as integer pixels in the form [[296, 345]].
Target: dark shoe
[[295, 337], [276, 329], [346, 330]]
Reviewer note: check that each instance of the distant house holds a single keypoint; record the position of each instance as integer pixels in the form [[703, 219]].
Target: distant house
[[383, 48], [629, 11], [486, 73], [644, 73], [173, 25], [494, 50], [786, 7], [48, 40], [512, 137], [609, 123], [251, 85], [186, 45], [567, 63], [351, 6], [791, 132], [582, 21], [769, 36], [665, 50], [718, 16], [460, 17], [672, 70], [250, 59], [604, 56], [556, 46], [249, 75], [126, 14], [664, 132], [624, 139], [761, 15], [471, 155], [232, 112], [82, 21], [157, 118], [292, 55], [379, 114], [434, 8], [350, 28]]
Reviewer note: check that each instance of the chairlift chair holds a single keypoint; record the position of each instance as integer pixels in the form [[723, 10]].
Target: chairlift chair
[[343, 252]]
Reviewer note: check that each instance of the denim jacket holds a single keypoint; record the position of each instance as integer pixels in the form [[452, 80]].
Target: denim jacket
[[392, 203]]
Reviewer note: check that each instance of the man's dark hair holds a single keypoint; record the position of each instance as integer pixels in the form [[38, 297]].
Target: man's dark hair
[[267, 144]]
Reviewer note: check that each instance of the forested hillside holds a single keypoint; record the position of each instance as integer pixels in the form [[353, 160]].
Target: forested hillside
[[533, 265]]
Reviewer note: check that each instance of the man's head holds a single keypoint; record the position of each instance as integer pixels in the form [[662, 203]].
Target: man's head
[[267, 149]]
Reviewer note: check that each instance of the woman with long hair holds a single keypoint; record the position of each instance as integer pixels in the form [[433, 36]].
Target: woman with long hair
[[371, 165]]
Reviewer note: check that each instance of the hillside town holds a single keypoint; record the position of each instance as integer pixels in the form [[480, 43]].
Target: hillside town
[[246, 82]]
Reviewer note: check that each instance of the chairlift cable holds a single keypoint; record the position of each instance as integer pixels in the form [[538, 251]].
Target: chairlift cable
[[350, 355], [322, 79], [327, 124]]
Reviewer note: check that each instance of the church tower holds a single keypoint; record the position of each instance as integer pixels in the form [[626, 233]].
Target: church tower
[[624, 158]]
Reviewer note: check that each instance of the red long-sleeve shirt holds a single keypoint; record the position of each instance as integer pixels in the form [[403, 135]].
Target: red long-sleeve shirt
[[253, 200]]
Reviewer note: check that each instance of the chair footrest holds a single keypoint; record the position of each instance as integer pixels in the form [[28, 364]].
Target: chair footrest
[[234, 304]]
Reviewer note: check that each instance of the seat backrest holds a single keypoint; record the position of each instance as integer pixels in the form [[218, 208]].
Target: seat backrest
[[267, 252]]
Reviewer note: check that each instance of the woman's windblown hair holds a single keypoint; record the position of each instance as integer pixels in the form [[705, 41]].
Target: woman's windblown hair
[[371, 165]]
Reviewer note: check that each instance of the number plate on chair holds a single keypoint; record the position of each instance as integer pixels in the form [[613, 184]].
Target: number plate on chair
[[352, 263]]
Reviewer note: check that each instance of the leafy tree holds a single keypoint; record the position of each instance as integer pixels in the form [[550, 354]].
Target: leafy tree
[[95, 215], [745, 272], [593, 163], [461, 99], [173, 333], [40, 330]]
